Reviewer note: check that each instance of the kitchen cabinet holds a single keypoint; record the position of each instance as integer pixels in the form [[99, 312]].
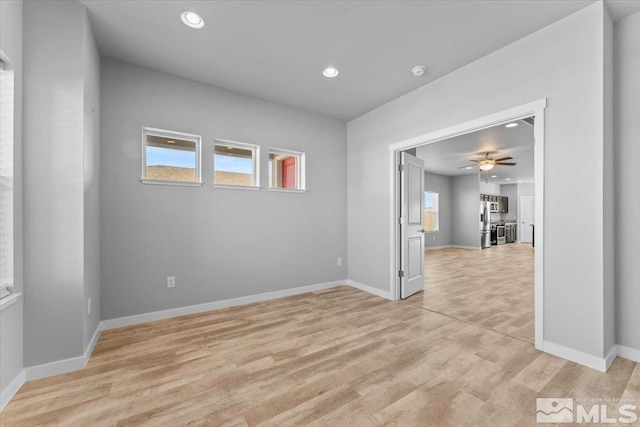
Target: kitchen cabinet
[[504, 205], [502, 202]]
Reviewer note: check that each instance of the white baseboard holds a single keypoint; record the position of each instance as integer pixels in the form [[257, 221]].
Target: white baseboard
[[11, 390], [465, 247], [369, 289], [610, 357], [433, 248], [629, 353], [598, 363], [215, 305], [63, 366]]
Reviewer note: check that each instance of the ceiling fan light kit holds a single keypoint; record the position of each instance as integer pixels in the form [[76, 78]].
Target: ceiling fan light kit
[[487, 163]]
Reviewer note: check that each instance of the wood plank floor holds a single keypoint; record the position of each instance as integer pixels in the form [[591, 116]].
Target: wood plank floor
[[339, 357], [493, 288]]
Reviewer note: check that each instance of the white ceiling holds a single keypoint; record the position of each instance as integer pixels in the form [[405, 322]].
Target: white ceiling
[[276, 50], [445, 157]]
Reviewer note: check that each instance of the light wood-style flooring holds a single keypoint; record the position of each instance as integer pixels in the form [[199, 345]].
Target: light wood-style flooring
[[339, 357], [493, 288]]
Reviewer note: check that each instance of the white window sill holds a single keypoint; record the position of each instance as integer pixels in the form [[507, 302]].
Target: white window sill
[[177, 183], [287, 190], [432, 231], [8, 301], [237, 187]]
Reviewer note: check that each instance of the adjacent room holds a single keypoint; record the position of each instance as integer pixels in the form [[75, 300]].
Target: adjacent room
[[330, 213], [479, 225]]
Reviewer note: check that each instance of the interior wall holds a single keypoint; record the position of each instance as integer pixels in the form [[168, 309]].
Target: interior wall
[[488, 188], [218, 243], [608, 187], [627, 176], [54, 187], [526, 189], [11, 318], [465, 211], [563, 63], [91, 177], [442, 185]]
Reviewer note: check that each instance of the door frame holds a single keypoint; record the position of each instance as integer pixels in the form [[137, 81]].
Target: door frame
[[533, 109]]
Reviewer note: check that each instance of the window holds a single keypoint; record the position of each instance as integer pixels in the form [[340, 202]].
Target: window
[[6, 178], [170, 157], [235, 164], [431, 211], [286, 170]]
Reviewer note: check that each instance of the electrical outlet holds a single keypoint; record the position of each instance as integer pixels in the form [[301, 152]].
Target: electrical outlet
[[89, 306], [171, 282], [340, 261]]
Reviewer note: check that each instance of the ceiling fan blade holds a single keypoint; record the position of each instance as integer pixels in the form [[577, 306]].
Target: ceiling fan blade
[[504, 158], [477, 161], [505, 164]]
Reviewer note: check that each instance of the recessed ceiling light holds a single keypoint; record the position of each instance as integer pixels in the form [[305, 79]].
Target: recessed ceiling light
[[418, 70], [520, 181], [494, 176], [507, 179], [511, 125], [469, 167], [191, 19], [330, 72]]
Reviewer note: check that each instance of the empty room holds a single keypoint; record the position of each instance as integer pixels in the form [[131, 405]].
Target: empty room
[[331, 213]]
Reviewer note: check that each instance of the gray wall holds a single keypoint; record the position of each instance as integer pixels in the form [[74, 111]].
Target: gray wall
[[627, 177], [218, 243], [465, 211], [488, 188], [526, 189], [608, 248], [58, 81], [563, 62], [11, 322], [91, 166], [442, 185]]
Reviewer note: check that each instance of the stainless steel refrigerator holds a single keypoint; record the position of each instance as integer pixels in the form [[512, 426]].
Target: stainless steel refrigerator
[[485, 224]]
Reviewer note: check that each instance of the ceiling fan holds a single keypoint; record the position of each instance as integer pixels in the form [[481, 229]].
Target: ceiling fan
[[487, 163]]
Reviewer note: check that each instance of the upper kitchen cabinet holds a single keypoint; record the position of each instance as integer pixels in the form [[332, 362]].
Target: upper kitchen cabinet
[[504, 204]]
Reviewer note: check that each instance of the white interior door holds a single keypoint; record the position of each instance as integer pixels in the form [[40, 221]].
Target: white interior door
[[526, 218], [411, 225]]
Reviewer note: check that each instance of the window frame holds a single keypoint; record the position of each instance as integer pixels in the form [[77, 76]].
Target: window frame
[[300, 170], [436, 212], [255, 168], [163, 133]]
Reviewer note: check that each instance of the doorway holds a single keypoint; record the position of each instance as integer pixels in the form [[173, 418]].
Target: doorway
[[534, 110]]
